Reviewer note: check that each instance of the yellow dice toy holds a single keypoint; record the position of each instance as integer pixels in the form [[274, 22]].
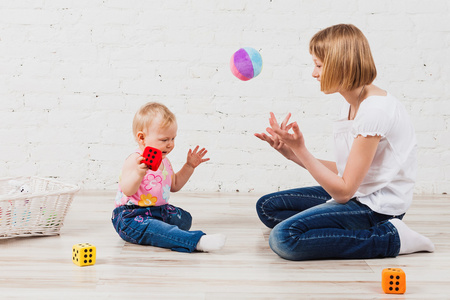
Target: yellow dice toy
[[393, 281], [83, 254]]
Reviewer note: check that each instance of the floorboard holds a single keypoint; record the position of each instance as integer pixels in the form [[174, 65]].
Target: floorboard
[[246, 268]]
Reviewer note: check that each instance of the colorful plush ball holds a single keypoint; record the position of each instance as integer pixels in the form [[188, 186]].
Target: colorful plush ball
[[246, 63]]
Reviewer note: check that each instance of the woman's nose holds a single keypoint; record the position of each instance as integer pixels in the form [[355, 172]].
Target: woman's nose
[[315, 74]]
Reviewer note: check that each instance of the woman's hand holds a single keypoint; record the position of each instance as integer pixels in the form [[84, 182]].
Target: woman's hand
[[275, 141], [294, 140]]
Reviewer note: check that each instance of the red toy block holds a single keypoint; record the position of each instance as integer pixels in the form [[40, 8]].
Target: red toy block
[[152, 158], [393, 281]]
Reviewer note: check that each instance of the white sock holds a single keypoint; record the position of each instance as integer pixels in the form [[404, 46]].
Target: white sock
[[411, 241], [211, 242]]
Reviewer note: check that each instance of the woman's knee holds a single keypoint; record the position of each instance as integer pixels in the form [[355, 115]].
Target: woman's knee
[[285, 240], [259, 205], [264, 210], [280, 242]]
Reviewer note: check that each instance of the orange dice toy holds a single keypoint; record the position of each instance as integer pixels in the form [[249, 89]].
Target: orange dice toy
[[393, 281]]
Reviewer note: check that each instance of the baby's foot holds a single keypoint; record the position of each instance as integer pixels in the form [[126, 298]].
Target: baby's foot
[[411, 241], [211, 242]]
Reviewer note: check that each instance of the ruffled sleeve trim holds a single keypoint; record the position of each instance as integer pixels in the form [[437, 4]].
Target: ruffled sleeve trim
[[371, 121], [366, 134]]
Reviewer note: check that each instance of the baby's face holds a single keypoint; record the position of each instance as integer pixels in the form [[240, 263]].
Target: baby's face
[[161, 138]]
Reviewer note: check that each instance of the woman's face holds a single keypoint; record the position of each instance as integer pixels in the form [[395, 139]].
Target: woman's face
[[317, 72]]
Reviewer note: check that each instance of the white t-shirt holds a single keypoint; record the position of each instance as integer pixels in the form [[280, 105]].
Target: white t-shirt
[[389, 183]]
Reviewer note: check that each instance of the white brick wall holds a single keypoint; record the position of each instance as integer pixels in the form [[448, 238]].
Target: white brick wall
[[73, 73]]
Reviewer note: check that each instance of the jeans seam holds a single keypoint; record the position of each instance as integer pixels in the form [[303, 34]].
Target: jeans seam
[[286, 195], [118, 221], [299, 237], [122, 227]]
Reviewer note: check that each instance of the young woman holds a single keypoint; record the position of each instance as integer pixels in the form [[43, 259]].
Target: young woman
[[357, 210]]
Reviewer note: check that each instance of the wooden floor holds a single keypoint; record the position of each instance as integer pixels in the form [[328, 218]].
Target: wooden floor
[[246, 268]]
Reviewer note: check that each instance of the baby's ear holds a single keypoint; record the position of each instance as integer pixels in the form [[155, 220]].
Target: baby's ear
[[140, 137]]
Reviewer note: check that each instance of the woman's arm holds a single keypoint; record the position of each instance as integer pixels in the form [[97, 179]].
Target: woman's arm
[[358, 163], [275, 142], [343, 188]]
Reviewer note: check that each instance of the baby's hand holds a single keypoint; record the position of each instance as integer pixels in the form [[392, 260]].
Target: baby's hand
[[133, 172], [141, 168], [195, 157]]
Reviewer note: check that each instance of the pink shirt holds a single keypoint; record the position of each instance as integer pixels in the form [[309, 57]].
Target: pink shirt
[[154, 189]]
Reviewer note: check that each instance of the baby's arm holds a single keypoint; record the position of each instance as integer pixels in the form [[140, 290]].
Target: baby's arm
[[194, 159], [133, 172]]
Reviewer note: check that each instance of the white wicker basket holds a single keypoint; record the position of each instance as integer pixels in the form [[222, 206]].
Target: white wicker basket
[[40, 211]]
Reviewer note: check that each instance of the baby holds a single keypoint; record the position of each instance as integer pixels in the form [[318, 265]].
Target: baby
[[143, 214]]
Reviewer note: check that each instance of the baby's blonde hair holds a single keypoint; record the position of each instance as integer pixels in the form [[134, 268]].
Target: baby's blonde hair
[[150, 112], [346, 57]]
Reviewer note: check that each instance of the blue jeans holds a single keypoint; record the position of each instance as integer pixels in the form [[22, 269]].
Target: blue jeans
[[306, 226], [163, 226]]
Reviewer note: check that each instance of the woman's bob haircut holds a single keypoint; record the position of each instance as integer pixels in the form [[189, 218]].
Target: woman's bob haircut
[[346, 57]]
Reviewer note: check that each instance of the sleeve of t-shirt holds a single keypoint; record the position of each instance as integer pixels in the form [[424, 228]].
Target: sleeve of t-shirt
[[371, 122]]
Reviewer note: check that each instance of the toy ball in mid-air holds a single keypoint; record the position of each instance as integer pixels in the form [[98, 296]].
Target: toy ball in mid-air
[[246, 63]]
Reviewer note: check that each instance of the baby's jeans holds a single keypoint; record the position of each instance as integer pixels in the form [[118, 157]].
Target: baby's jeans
[[164, 226], [306, 226]]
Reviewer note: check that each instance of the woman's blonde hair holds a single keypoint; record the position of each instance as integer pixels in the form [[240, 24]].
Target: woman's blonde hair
[[150, 112], [346, 57]]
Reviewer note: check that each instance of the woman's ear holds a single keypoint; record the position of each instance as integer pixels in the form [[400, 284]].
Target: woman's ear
[[140, 138]]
